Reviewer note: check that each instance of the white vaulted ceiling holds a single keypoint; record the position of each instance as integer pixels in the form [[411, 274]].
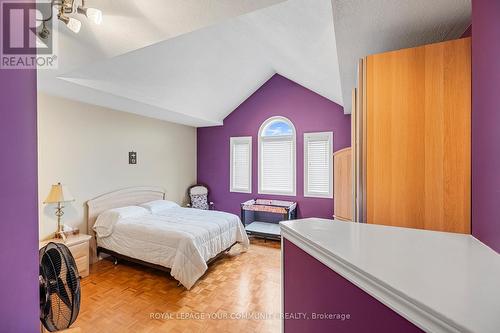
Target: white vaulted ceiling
[[201, 76], [194, 61]]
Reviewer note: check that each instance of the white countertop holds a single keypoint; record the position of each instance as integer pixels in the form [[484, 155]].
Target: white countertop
[[441, 282]]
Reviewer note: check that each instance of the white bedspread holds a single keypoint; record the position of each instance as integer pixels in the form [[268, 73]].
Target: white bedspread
[[182, 239]]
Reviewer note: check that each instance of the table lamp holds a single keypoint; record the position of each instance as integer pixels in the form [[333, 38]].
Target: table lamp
[[59, 194]]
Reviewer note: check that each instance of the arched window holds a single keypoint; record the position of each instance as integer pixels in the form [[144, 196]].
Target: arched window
[[277, 157]]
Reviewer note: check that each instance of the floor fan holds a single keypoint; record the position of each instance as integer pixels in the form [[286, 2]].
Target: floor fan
[[59, 287]]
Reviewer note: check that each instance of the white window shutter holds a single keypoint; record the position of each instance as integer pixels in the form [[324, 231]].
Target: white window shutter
[[277, 166], [318, 155], [241, 164], [277, 157]]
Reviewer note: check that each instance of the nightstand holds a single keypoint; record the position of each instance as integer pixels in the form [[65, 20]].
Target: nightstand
[[79, 247]]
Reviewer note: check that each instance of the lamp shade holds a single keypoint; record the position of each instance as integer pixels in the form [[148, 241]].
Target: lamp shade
[[59, 193]]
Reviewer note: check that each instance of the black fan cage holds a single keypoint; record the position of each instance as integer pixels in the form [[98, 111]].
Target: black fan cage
[[59, 287]]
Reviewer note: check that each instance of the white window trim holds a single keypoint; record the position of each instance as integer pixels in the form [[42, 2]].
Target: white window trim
[[232, 141], [294, 156], [316, 136]]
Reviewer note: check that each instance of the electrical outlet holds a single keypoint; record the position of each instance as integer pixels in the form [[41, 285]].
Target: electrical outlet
[[132, 157]]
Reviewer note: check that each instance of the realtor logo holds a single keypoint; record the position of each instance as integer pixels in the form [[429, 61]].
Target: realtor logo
[[28, 35]]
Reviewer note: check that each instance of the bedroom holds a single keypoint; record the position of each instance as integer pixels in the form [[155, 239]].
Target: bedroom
[[172, 138]]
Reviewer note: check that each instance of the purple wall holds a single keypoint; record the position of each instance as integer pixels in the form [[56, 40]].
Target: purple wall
[[18, 202], [279, 96], [486, 122], [311, 287]]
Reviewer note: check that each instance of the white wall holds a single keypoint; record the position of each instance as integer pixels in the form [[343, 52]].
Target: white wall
[[86, 147]]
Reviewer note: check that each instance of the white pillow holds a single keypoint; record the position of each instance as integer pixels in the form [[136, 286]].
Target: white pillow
[[107, 220], [157, 206]]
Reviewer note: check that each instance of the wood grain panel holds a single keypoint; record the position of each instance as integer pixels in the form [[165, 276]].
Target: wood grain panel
[[362, 128], [358, 147], [418, 137], [342, 189], [354, 153]]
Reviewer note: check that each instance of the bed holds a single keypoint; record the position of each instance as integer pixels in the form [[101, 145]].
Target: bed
[[182, 241]]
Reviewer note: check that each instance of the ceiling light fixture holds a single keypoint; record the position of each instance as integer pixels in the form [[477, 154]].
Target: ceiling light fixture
[[93, 14], [72, 23], [65, 9], [44, 33]]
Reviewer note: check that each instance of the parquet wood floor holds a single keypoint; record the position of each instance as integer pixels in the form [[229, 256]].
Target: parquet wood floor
[[123, 298]]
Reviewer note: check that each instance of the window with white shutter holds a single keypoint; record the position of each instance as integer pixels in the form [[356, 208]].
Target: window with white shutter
[[318, 164], [241, 164], [277, 157]]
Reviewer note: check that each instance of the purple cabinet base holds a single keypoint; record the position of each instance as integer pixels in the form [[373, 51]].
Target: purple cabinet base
[[337, 305]]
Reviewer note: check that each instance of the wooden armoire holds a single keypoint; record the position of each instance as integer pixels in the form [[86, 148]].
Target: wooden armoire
[[342, 185], [412, 138]]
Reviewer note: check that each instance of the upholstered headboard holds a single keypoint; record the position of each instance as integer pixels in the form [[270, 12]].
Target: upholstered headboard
[[121, 198]]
